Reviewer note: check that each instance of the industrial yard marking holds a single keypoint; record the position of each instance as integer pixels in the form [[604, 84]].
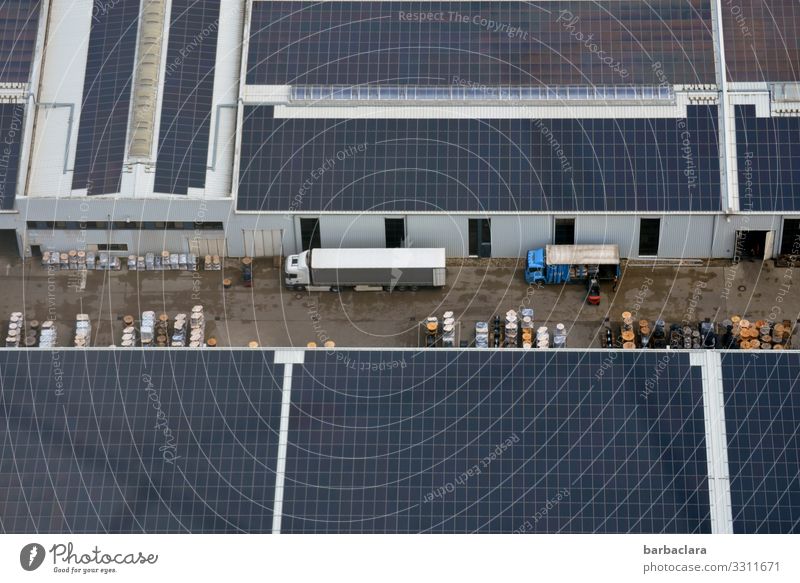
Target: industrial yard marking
[[288, 358], [719, 481]]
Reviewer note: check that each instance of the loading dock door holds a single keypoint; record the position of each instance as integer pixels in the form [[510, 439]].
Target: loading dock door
[[790, 243], [263, 243], [754, 244]]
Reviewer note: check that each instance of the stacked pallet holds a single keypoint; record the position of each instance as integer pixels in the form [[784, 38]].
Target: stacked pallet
[[16, 327], [83, 331], [197, 324]]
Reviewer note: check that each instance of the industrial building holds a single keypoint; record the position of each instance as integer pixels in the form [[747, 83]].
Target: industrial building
[[670, 129]]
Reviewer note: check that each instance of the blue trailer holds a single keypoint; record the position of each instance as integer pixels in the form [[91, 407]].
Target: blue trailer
[[572, 264]]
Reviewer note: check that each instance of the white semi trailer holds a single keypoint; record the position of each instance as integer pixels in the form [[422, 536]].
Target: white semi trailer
[[333, 269]]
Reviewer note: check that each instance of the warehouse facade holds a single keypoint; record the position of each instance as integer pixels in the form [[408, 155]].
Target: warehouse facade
[[239, 132]]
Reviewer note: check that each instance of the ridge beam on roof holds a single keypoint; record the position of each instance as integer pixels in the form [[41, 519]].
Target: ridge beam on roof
[[288, 358], [719, 482], [145, 88]]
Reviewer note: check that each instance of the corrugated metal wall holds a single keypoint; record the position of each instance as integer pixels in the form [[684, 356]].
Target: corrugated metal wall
[[686, 236], [513, 236], [608, 229], [448, 231], [351, 231]]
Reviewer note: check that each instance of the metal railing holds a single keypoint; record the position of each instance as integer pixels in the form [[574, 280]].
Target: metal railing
[[479, 93]]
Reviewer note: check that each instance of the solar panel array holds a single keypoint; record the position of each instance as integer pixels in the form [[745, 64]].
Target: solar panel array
[[187, 95], [768, 161], [762, 414], [762, 40], [12, 117], [100, 150], [483, 43], [19, 23], [499, 442], [170, 441], [138, 441], [479, 164]]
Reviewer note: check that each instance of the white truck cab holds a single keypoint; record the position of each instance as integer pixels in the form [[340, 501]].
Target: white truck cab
[[296, 271]]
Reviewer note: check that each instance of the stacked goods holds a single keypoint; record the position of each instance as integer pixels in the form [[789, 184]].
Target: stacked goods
[[560, 336], [627, 335], [431, 325], [197, 332], [149, 261], [760, 335], [448, 330], [542, 337], [32, 334], [16, 325], [644, 333], [138, 262], [83, 331], [128, 333], [128, 337], [71, 259], [162, 330], [47, 336], [527, 327], [482, 335], [511, 329], [179, 331], [212, 263], [147, 329], [659, 337]]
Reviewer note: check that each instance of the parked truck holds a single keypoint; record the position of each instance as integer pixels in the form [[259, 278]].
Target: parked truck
[[572, 264], [333, 269]]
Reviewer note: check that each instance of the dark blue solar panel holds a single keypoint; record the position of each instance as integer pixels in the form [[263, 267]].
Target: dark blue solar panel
[[484, 43], [12, 117], [762, 40], [106, 98], [138, 441], [187, 95], [646, 165], [768, 160], [19, 23], [405, 442], [762, 416]]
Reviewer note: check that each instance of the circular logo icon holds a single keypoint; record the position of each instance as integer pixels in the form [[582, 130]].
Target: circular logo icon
[[31, 556]]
